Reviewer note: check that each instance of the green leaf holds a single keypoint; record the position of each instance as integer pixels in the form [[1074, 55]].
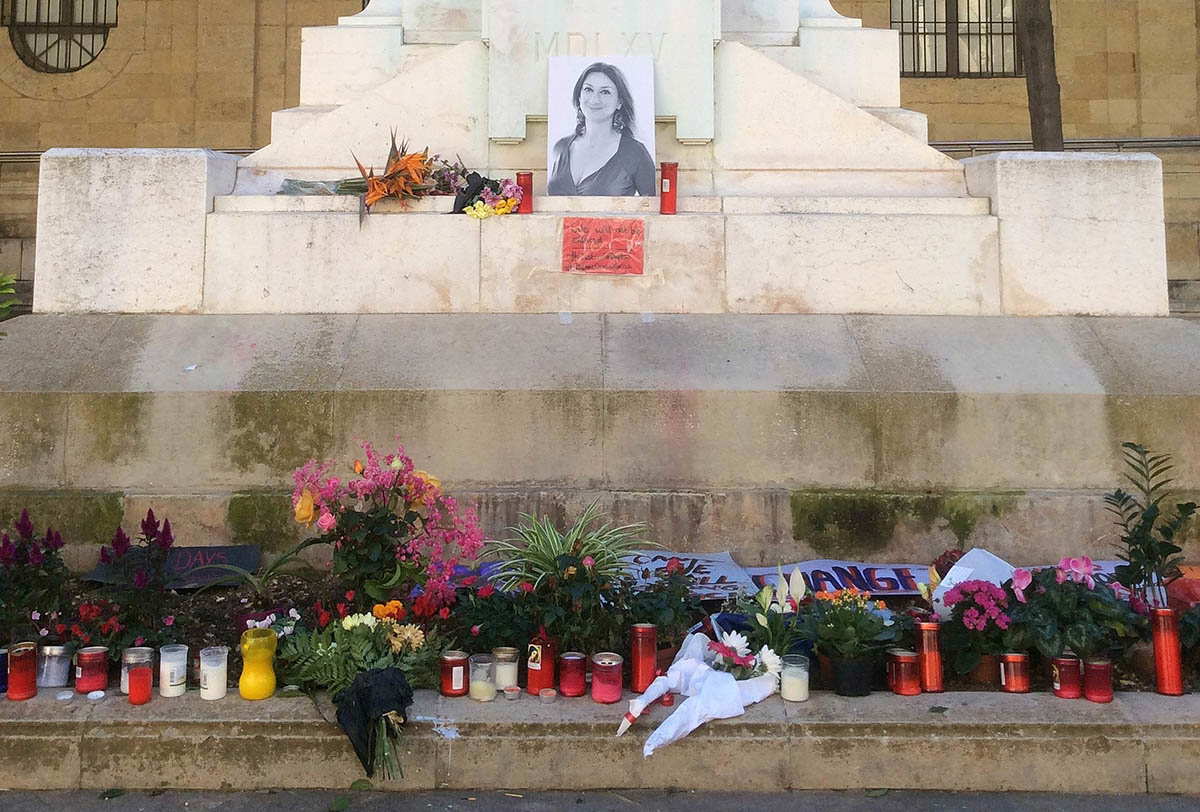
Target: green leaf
[[362, 785], [340, 804]]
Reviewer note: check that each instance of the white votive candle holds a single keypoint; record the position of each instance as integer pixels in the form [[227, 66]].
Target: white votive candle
[[214, 672], [506, 674], [172, 670], [483, 690], [793, 683]]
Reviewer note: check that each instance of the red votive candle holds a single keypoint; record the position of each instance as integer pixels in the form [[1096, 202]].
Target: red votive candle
[[454, 673], [141, 680], [906, 673], [643, 639], [22, 671], [930, 653], [668, 193], [1014, 673], [91, 669], [539, 666], [1097, 681], [607, 677], [1066, 675], [572, 670], [1168, 657], [525, 181]]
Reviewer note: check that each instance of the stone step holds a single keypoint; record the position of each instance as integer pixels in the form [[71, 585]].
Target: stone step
[[976, 742], [961, 206], [1185, 296]]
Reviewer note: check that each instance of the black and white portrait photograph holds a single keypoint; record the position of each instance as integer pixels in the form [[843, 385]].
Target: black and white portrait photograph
[[601, 134]]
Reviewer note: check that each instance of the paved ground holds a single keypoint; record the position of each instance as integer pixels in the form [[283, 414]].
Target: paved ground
[[492, 800]]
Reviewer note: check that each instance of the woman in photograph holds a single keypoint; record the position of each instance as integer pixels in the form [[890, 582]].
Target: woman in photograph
[[603, 157]]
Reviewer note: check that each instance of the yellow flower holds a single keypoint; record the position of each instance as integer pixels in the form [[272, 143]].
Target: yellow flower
[[570, 571], [408, 636], [432, 493], [358, 467], [305, 509]]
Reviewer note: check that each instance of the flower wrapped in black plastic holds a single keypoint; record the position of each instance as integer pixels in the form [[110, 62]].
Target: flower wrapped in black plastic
[[372, 713]]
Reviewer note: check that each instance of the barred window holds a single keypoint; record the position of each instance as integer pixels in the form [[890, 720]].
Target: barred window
[[58, 36], [957, 38]]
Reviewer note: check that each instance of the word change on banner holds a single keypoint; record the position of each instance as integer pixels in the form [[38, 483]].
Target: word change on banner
[[825, 575], [603, 245], [716, 575]]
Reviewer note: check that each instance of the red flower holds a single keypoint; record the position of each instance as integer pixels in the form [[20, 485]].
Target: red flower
[[444, 614], [76, 630], [111, 626], [526, 587], [350, 595], [323, 615], [470, 580], [674, 565], [342, 609], [89, 612], [486, 591], [60, 629]]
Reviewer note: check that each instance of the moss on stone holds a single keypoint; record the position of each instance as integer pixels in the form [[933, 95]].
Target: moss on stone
[[278, 430], [83, 517], [856, 524], [263, 518], [112, 423]]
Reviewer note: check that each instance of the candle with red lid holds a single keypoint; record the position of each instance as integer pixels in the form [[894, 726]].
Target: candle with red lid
[[1066, 675], [539, 665], [644, 659], [572, 668], [668, 193], [607, 677], [525, 181], [906, 673], [91, 669], [22, 671], [454, 673]]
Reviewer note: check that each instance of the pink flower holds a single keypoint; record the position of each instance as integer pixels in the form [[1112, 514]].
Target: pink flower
[[326, 522], [588, 562], [469, 580], [1021, 580], [526, 587], [444, 613], [139, 641], [474, 630], [486, 591], [169, 620]]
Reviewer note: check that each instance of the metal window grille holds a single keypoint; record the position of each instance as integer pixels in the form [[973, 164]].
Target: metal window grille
[[957, 38], [59, 36]]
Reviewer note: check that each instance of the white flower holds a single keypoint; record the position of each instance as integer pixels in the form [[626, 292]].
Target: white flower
[[35, 615], [771, 661], [737, 641], [44, 632], [293, 614], [350, 621], [250, 624]]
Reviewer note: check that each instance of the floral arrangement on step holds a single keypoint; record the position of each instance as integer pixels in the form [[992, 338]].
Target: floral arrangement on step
[[495, 199], [775, 612], [978, 625], [731, 653], [848, 624], [140, 576], [32, 573]]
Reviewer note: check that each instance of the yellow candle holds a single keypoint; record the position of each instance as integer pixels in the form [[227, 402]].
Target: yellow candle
[[483, 690]]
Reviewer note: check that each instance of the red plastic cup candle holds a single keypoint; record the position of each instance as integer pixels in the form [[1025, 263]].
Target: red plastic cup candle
[[607, 677], [525, 181], [539, 666], [454, 673], [1014, 673], [644, 650], [572, 669], [1066, 675], [668, 193], [1168, 658], [91, 669], [22, 671], [138, 666], [1097, 681], [930, 653], [906, 677]]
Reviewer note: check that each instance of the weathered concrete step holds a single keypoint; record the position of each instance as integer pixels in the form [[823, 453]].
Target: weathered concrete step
[[981, 741]]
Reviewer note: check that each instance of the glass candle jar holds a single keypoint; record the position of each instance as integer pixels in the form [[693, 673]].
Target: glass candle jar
[[930, 652], [137, 669], [1066, 675], [607, 677], [53, 667], [539, 663], [454, 673], [214, 672], [1014, 673], [91, 669], [483, 677], [3, 670], [172, 670], [906, 673], [643, 644], [525, 181], [22, 671], [138, 653], [1097, 681], [506, 667], [258, 664], [572, 674], [793, 680]]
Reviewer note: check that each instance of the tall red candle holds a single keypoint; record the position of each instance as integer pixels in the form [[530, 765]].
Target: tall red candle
[[525, 181], [643, 642], [22, 671], [906, 673], [930, 653], [453, 674], [1168, 658], [668, 193], [607, 677], [1097, 681], [141, 679], [572, 671], [91, 669], [1066, 674], [539, 665], [1014, 673]]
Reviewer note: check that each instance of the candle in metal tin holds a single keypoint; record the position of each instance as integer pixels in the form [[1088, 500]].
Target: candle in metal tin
[[930, 653], [906, 679], [572, 673], [53, 667], [643, 644], [91, 669], [454, 673], [22, 671], [1097, 681], [607, 677], [1168, 657], [525, 181], [668, 193], [506, 666], [134, 654], [1014, 673], [1066, 675]]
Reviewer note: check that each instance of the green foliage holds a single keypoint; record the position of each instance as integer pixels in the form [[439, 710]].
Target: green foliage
[[32, 574], [1148, 541], [534, 554], [8, 288], [260, 582], [1189, 628], [1091, 621], [490, 619], [368, 562], [329, 659], [845, 626], [577, 606], [668, 603]]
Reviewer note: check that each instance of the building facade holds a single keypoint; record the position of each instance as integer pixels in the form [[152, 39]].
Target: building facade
[[175, 73]]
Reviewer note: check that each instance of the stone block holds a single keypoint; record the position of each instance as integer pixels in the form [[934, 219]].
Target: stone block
[[909, 122], [95, 255], [1183, 250], [850, 264], [432, 264], [857, 64], [10, 257], [1079, 232], [36, 427], [337, 63]]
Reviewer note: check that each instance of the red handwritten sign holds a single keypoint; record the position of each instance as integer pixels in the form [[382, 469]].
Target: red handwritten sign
[[603, 245]]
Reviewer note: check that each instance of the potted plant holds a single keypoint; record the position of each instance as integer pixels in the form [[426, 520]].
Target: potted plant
[[974, 635], [1064, 607], [847, 627], [668, 603]]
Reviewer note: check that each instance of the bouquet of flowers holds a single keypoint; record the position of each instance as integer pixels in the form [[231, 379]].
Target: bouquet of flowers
[[732, 655], [980, 623]]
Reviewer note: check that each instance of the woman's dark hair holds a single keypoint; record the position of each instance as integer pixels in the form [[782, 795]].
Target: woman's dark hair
[[622, 119]]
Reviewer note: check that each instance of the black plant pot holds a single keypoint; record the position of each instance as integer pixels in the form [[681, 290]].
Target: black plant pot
[[852, 677]]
